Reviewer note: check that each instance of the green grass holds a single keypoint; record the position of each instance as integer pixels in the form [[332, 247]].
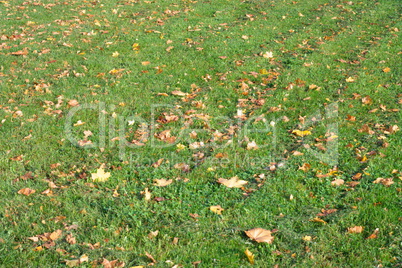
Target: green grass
[[55, 52]]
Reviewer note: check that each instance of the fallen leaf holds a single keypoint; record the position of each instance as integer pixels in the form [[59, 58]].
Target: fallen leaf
[[153, 234], [26, 191], [305, 167], [268, 55], [316, 219], [233, 182], [147, 194], [112, 264], [55, 235], [178, 93], [162, 182], [350, 80], [337, 182], [70, 239], [301, 133], [386, 70], [386, 182], [150, 257], [355, 229], [260, 235], [216, 209], [250, 256], [307, 238], [374, 234], [100, 175], [252, 146], [73, 103]]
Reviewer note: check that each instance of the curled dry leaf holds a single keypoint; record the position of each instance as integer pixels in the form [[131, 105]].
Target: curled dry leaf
[[233, 182], [260, 235]]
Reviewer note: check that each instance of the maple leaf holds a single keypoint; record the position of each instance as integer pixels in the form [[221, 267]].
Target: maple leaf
[[115, 54], [100, 175], [350, 80], [26, 191], [233, 182], [355, 229], [260, 235], [301, 133], [216, 209], [250, 256], [162, 182]]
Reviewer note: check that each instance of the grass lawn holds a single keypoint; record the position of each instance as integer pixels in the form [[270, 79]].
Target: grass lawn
[[137, 133]]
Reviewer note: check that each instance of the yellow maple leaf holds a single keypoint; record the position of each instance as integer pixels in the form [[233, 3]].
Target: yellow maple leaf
[[100, 175], [301, 133]]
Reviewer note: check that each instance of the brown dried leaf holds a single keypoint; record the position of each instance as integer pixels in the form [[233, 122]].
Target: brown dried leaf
[[26, 191], [355, 229]]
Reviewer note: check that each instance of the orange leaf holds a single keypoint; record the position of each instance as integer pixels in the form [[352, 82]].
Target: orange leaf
[[355, 229], [26, 191], [386, 70]]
